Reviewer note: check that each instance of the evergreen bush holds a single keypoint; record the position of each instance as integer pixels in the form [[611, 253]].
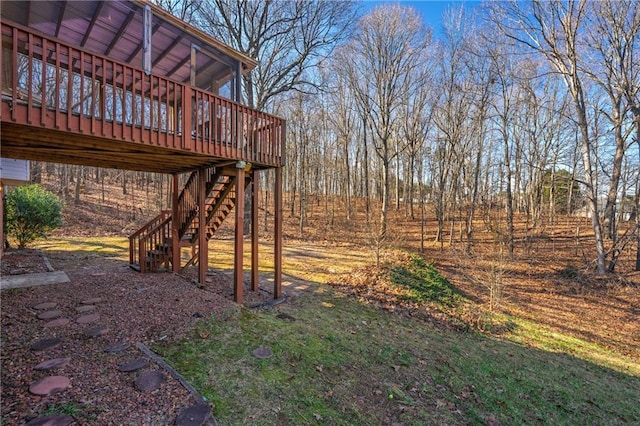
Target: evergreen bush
[[32, 212]]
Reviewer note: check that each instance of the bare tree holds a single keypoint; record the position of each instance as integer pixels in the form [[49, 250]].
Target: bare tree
[[388, 47], [417, 117], [186, 10], [610, 63], [287, 38], [344, 120], [552, 29], [503, 110], [452, 119]]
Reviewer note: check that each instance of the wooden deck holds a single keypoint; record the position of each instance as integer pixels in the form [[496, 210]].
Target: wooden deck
[[63, 104]]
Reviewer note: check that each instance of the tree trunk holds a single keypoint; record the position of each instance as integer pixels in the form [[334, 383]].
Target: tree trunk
[[612, 195], [124, 182], [637, 120], [412, 160], [79, 179], [367, 195], [592, 194], [509, 194], [348, 178], [397, 178], [36, 172], [385, 196], [64, 181]]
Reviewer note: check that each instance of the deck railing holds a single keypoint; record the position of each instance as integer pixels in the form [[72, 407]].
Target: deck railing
[[49, 84], [153, 236]]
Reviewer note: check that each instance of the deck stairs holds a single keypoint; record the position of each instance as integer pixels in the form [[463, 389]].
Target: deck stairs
[[151, 246]]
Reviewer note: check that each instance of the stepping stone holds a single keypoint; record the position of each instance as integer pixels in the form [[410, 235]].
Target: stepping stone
[[86, 308], [196, 415], [60, 322], [45, 305], [53, 420], [96, 331], [48, 385], [133, 365], [86, 319], [49, 315], [45, 344], [118, 347], [262, 353], [149, 381], [92, 301], [52, 364]]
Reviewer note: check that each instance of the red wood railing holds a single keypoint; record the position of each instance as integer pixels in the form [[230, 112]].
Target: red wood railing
[[188, 197], [49, 84], [151, 238], [150, 246]]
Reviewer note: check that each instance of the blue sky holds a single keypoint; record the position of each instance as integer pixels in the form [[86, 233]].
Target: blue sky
[[431, 10]]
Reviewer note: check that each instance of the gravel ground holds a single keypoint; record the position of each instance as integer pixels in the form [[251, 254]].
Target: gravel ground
[[148, 308]]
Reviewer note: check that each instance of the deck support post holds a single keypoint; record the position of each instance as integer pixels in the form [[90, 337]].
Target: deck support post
[[255, 285], [203, 245], [175, 239], [277, 249], [238, 275]]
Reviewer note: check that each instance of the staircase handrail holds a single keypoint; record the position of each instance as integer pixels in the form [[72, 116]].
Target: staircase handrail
[[212, 208], [187, 209], [143, 232]]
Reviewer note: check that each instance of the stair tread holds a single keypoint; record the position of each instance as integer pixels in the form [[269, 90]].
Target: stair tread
[[221, 199]]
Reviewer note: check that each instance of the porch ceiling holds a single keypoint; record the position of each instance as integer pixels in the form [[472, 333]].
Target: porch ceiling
[[114, 29]]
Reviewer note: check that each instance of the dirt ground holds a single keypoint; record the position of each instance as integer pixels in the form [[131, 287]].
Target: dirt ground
[[550, 280], [132, 308]]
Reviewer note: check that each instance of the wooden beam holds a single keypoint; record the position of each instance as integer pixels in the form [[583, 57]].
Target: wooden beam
[[193, 67], [238, 275], [94, 18], [238, 83], [192, 78], [179, 65], [108, 159], [255, 285], [139, 47], [28, 15], [63, 6], [277, 244], [141, 158], [121, 31], [166, 51], [203, 244]]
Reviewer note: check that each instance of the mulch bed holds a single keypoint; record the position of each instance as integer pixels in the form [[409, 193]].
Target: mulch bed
[[18, 262], [130, 308]]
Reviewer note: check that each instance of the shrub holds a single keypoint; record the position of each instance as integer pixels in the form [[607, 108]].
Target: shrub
[[32, 212]]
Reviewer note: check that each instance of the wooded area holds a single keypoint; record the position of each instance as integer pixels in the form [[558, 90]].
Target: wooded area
[[510, 109]]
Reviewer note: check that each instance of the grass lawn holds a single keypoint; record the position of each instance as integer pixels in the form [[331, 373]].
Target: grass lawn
[[337, 360]]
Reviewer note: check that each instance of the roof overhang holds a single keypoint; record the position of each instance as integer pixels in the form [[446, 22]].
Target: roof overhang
[[115, 29]]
